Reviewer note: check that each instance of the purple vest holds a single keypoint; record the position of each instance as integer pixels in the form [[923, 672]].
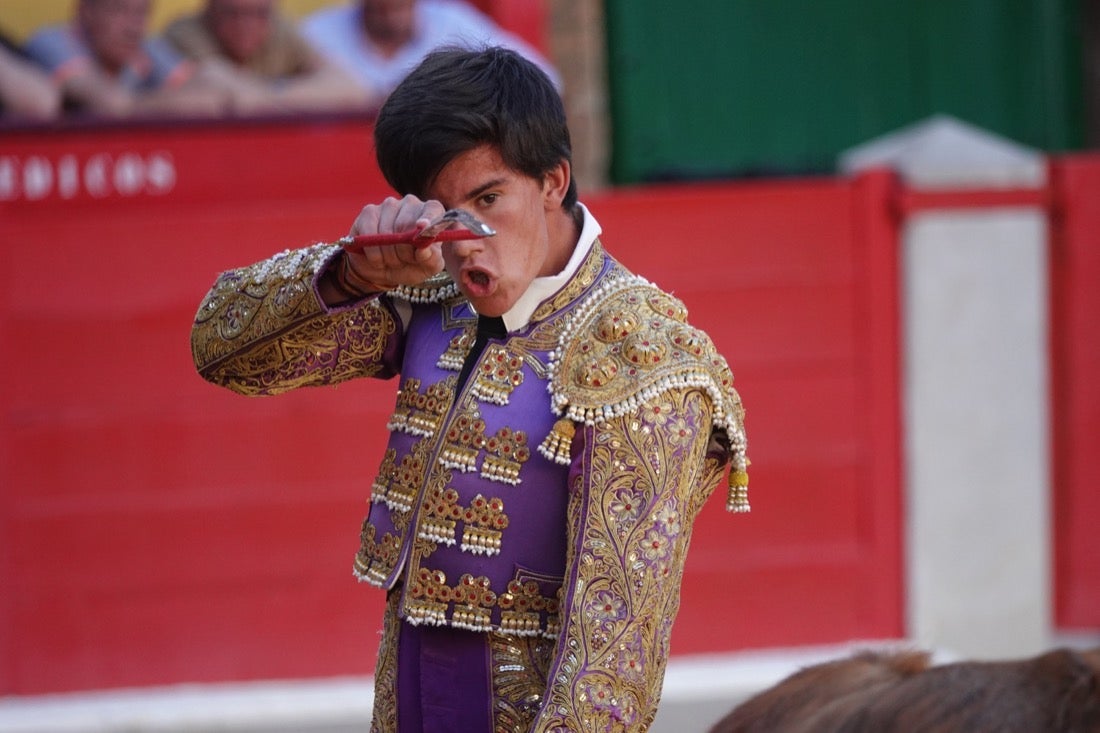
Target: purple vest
[[466, 510]]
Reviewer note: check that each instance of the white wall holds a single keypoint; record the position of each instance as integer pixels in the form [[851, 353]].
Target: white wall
[[976, 439]]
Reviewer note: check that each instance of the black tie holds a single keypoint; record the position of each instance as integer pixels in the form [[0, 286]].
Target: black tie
[[487, 327]]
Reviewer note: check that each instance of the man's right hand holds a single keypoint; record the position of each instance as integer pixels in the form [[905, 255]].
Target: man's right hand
[[388, 266]]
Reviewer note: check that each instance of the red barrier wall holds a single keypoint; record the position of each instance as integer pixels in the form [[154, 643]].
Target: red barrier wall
[[796, 283], [1075, 365], [156, 529]]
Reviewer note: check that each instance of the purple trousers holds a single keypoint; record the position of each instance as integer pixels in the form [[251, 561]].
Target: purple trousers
[[441, 679]]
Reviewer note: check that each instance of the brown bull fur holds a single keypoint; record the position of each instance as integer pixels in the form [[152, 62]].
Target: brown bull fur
[[872, 692]]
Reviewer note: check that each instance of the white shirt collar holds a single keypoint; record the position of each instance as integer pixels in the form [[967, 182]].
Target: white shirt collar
[[541, 288]]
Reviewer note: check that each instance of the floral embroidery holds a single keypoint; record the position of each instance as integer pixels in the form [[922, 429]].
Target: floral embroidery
[[629, 664], [657, 412], [607, 607], [626, 508], [679, 432], [656, 546], [629, 511]]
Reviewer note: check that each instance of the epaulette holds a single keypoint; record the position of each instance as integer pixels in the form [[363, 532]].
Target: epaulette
[[628, 343]]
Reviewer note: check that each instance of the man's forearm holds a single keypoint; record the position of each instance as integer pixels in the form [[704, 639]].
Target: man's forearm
[[266, 329]]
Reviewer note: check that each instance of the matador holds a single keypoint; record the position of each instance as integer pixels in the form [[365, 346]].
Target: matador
[[557, 427]]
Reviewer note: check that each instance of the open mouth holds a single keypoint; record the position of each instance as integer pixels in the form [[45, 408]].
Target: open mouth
[[477, 283]]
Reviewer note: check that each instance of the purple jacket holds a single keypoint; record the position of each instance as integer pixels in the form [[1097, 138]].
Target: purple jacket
[[552, 496]]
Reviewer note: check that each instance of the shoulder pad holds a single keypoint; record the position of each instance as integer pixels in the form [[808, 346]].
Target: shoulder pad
[[628, 343]]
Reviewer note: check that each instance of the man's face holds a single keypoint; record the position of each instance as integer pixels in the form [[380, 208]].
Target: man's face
[[494, 272], [388, 20], [241, 26], [114, 29]]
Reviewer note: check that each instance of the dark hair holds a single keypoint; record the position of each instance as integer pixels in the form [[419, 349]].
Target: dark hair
[[458, 99]]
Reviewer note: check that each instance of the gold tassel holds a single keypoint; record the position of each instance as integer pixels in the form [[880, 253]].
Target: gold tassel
[[556, 446], [737, 500]]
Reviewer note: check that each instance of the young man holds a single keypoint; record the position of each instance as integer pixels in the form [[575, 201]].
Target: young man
[[558, 424]]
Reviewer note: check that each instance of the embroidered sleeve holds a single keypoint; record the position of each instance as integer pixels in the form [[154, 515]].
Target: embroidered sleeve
[[263, 330], [636, 484]]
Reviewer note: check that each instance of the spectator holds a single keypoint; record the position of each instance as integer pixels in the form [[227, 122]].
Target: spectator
[[380, 41], [106, 65], [25, 91], [262, 56]]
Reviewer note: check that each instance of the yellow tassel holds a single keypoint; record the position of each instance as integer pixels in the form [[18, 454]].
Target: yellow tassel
[[737, 500], [558, 442]]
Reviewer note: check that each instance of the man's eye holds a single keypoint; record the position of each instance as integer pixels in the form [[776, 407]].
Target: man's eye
[[489, 198]]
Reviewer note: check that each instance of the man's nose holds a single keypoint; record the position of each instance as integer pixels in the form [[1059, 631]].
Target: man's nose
[[464, 247]]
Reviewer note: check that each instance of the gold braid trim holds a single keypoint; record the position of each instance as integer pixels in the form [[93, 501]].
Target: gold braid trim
[[628, 343], [436, 289]]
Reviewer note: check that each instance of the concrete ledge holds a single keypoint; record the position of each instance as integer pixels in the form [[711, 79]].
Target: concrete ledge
[[313, 705], [698, 691]]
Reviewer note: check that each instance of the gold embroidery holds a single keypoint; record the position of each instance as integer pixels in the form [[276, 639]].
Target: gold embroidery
[[546, 334], [485, 522], [439, 517], [628, 343], [469, 604], [507, 452], [407, 479], [261, 330], [584, 279], [519, 666], [633, 511], [644, 349], [521, 606], [464, 441], [428, 596], [384, 714], [403, 405], [386, 473], [430, 408], [667, 306], [396, 485], [420, 413], [456, 352], [473, 603], [374, 560], [497, 375], [616, 326]]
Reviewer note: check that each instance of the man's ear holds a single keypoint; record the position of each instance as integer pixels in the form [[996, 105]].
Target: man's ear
[[555, 184]]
